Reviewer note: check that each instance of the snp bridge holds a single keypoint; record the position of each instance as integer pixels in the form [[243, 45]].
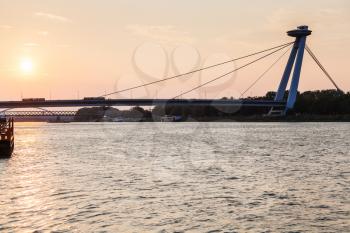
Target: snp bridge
[[279, 106], [137, 102]]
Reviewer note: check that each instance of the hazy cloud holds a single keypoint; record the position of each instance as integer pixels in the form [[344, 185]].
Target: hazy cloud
[[165, 33], [320, 21], [53, 17], [317, 19], [5, 27], [63, 45], [43, 33], [31, 45]]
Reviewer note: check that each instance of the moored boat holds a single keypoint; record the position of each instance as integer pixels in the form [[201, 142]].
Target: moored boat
[[7, 140], [169, 118]]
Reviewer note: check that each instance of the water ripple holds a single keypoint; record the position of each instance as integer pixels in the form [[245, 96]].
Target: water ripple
[[200, 177]]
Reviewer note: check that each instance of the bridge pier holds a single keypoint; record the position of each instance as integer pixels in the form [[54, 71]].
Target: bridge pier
[[288, 70], [295, 59]]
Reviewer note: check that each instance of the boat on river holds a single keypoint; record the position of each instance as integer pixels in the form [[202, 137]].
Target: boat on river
[[169, 118], [7, 140]]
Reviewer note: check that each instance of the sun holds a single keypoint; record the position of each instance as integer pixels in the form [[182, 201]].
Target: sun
[[26, 66]]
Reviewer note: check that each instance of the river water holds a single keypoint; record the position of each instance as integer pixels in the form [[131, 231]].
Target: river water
[[177, 177]]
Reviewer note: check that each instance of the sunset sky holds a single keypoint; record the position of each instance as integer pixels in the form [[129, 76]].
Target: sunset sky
[[62, 49]]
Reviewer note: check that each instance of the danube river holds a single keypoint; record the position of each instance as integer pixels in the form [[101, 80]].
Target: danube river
[[177, 177]]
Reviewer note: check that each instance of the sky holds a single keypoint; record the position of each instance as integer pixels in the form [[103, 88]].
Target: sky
[[63, 49]]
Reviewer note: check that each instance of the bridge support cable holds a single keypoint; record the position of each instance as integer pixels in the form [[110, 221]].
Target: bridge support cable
[[313, 56], [235, 70], [263, 74], [197, 70]]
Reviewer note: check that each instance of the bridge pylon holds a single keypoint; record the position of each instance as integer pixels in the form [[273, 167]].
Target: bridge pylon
[[295, 60]]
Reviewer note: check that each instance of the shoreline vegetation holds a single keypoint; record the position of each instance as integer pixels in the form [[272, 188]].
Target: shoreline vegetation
[[311, 106]]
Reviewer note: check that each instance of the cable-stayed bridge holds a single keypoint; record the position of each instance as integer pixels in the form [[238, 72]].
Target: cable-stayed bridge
[[137, 102], [279, 106]]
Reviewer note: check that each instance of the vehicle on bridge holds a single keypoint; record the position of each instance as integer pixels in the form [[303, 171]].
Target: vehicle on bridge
[[94, 98], [7, 140], [33, 99]]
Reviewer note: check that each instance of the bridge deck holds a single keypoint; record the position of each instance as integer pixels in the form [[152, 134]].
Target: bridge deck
[[138, 102]]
